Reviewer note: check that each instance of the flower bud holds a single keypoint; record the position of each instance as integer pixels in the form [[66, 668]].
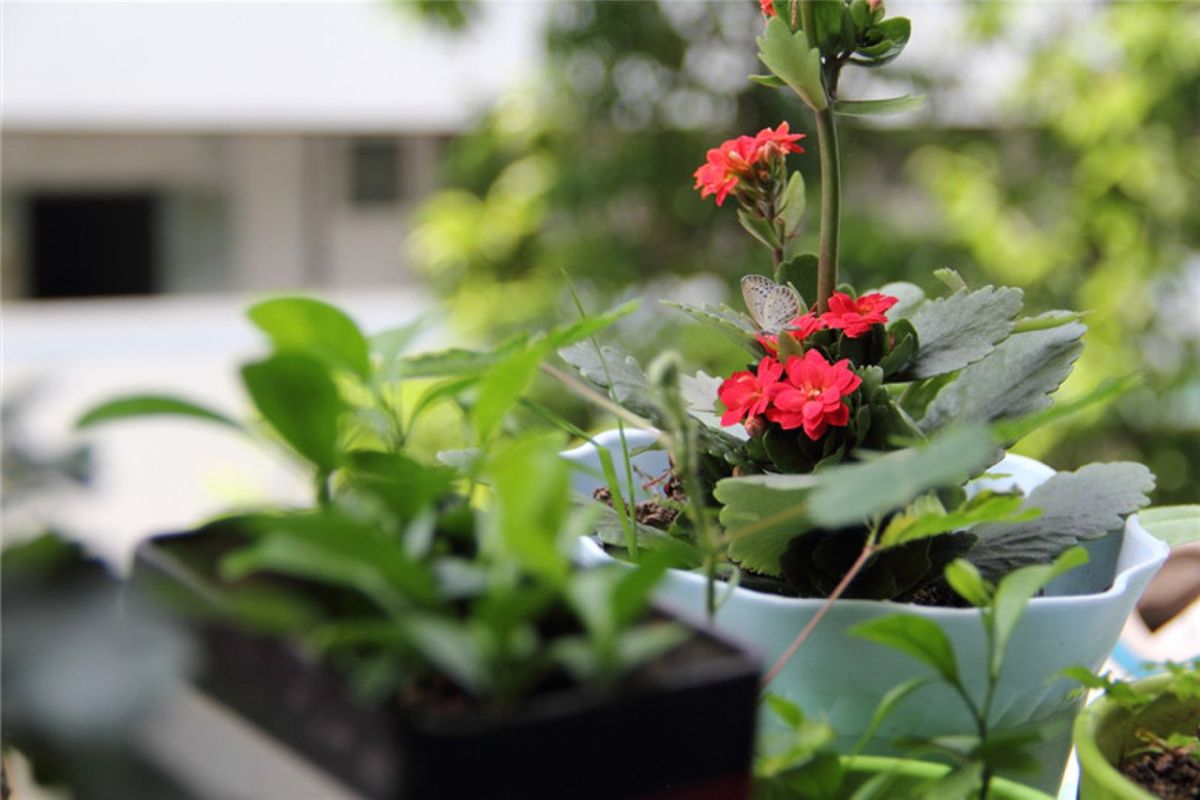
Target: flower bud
[[755, 426], [663, 371]]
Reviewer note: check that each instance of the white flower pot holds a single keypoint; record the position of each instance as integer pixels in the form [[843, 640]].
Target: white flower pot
[[843, 678]]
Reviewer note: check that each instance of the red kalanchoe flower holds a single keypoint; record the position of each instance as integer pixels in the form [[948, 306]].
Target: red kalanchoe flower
[[813, 395], [778, 142], [804, 326], [745, 393], [855, 317], [725, 166], [768, 8], [736, 159]]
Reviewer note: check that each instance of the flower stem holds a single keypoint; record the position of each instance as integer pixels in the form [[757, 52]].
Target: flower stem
[[831, 208], [831, 193], [851, 574]]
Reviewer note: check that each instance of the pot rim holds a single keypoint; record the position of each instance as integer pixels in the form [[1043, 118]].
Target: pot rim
[[1087, 751], [1152, 550]]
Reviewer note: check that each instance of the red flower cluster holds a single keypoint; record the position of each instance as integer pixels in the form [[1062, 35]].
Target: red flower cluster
[[852, 317], [808, 392], [738, 158], [768, 8], [855, 317]]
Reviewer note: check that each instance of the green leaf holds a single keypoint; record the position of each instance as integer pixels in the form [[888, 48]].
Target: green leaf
[[502, 386], [885, 42], [887, 704], [984, 507], [1013, 593], [389, 344], [148, 405], [435, 394], [964, 578], [645, 643], [699, 393], [297, 396], [1175, 525], [801, 272], [316, 329], [1013, 380], [334, 549], [961, 329], [763, 513], [867, 108], [759, 228], [588, 326], [1075, 506], [954, 282], [855, 492], [1016, 429], [789, 56], [530, 483], [451, 649], [769, 81], [791, 714], [455, 361], [916, 636], [732, 324], [792, 209], [608, 529], [406, 486]]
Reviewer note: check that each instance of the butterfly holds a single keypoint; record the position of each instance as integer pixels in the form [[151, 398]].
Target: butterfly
[[771, 305]]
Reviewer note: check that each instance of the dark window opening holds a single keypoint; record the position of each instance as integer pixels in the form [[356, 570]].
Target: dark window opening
[[374, 172], [90, 245]]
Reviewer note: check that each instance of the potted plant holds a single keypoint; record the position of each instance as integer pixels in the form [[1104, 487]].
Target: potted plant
[[862, 449], [798, 763], [1141, 740], [416, 641]]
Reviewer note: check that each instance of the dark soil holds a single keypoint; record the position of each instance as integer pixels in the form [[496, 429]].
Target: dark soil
[[938, 594], [648, 512], [1170, 774], [654, 514]]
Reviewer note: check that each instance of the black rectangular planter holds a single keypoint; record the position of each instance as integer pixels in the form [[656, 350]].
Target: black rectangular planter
[[682, 729]]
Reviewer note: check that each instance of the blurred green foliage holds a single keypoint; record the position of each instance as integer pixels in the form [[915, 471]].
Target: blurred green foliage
[[1086, 196]]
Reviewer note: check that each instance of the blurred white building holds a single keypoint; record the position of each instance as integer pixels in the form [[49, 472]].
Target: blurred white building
[[200, 147]]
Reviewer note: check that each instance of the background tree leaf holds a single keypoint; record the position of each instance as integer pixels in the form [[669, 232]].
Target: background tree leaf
[[1075, 506], [1014, 379]]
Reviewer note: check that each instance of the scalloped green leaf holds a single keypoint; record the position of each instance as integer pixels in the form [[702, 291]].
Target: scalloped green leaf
[[963, 328], [788, 55], [1075, 506], [1015, 379]]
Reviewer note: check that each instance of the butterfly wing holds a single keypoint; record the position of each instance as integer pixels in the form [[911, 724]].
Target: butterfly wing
[[771, 305]]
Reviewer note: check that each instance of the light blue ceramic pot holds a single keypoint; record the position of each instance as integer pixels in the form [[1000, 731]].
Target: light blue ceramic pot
[[843, 678]]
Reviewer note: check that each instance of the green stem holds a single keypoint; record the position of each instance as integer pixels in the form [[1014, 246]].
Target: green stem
[[831, 194], [831, 208]]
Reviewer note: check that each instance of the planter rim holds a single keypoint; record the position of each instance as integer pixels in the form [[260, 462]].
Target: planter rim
[[1002, 788], [1091, 760], [1155, 551]]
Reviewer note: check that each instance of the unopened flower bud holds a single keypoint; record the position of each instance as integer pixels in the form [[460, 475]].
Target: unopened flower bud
[[663, 371], [755, 426]]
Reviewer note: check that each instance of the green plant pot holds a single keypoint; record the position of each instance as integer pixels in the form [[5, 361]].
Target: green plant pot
[[911, 774], [1105, 732]]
